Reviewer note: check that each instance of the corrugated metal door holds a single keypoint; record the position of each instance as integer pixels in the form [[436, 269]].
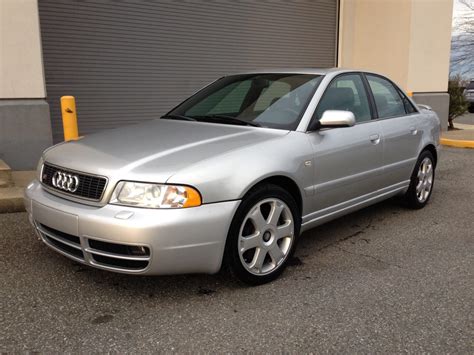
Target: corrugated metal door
[[134, 60]]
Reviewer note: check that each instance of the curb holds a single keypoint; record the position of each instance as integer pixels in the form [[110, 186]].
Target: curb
[[458, 143], [11, 200]]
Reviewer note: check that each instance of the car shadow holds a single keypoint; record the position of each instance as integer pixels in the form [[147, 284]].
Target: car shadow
[[311, 243]]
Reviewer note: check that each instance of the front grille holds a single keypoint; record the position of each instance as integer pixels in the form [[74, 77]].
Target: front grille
[[89, 186], [131, 258]]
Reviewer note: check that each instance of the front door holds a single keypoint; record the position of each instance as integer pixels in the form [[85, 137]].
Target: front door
[[348, 161]]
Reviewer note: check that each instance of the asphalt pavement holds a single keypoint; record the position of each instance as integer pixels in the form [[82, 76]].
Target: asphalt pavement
[[382, 280], [467, 118]]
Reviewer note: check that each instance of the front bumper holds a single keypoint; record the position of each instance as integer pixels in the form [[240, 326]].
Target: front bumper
[[132, 240]]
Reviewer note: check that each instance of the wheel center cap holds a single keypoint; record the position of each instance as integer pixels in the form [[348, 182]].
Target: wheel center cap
[[266, 236]]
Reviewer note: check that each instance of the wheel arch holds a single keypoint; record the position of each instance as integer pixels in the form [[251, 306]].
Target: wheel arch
[[432, 149], [285, 183]]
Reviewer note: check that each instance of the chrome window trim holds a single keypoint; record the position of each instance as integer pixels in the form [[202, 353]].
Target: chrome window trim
[[322, 89], [399, 91], [319, 94], [386, 118], [365, 122]]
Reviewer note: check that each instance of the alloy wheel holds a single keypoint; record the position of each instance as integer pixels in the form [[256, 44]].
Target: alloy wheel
[[425, 180], [266, 236]]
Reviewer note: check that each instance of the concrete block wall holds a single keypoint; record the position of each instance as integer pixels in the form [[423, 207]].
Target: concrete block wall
[[407, 40], [25, 124]]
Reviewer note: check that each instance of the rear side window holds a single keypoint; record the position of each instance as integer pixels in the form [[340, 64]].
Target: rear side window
[[387, 99], [409, 108]]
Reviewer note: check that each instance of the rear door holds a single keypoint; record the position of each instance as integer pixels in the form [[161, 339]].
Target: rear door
[[348, 160], [398, 119]]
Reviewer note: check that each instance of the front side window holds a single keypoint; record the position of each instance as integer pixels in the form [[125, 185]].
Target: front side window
[[268, 100], [346, 93], [387, 99]]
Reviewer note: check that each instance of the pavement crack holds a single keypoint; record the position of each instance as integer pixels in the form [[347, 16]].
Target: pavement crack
[[352, 235], [368, 256]]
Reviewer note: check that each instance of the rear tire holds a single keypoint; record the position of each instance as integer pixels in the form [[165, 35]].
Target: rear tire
[[422, 181], [263, 235]]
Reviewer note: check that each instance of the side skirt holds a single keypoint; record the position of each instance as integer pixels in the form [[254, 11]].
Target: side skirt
[[319, 217]]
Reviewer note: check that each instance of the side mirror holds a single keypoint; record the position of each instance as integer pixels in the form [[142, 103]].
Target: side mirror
[[334, 119]]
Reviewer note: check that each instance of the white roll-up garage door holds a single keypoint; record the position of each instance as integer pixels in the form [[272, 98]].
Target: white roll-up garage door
[[127, 61]]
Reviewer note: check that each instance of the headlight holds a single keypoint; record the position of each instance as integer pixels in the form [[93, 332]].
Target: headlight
[[138, 194]]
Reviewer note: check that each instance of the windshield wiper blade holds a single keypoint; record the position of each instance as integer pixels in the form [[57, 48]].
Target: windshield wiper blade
[[178, 117], [230, 119]]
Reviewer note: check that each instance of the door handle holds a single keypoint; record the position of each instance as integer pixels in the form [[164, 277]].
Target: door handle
[[413, 131], [375, 138]]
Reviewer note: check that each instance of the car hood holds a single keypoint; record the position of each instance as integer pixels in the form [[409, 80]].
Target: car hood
[[154, 150]]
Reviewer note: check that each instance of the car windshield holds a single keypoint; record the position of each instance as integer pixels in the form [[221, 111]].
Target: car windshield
[[266, 100], [470, 86]]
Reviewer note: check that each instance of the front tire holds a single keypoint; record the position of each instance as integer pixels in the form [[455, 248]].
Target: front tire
[[422, 181], [263, 235]]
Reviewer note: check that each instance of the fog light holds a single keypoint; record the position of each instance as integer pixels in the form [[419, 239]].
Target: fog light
[[138, 250]]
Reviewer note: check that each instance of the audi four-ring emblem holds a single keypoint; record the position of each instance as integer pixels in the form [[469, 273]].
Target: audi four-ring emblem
[[65, 181]]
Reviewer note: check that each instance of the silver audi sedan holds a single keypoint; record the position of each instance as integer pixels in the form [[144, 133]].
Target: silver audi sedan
[[234, 174]]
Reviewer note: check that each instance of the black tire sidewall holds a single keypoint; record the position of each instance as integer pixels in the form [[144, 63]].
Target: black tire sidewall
[[232, 257], [410, 196]]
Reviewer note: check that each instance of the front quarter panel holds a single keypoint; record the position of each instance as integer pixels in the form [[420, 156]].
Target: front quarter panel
[[231, 175]]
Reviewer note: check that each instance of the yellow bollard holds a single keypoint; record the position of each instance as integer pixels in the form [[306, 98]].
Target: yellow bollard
[[68, 111]]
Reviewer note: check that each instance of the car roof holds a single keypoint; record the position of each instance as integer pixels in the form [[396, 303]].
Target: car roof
[[315, 71]]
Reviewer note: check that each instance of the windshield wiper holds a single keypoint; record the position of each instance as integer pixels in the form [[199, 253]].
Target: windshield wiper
[[178, 117], [229, 119]]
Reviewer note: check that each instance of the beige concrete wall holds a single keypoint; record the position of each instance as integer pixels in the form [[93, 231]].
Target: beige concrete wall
[[21, 66], [374, 35], [430, 45], [407, 40]]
